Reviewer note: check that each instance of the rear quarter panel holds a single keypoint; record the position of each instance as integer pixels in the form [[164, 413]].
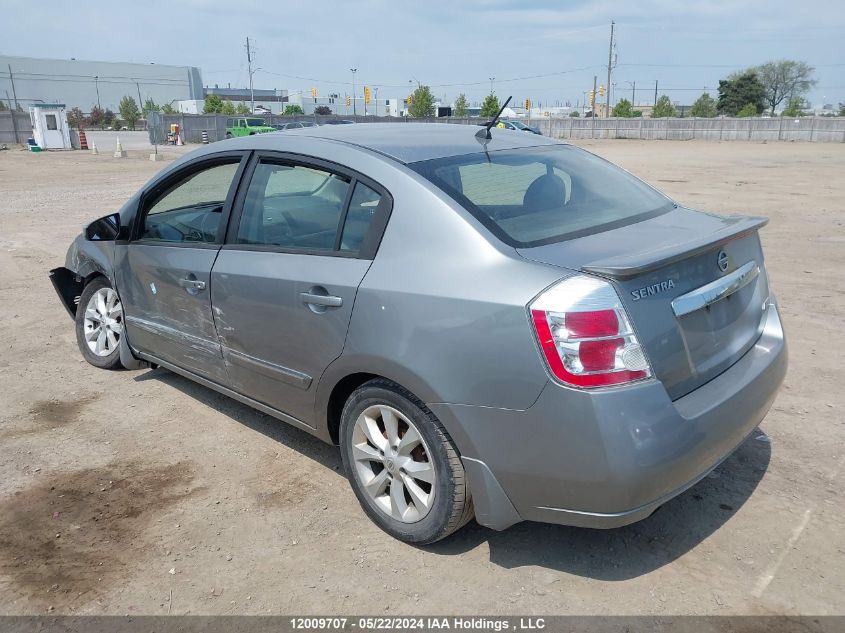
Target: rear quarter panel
[[442, 310]]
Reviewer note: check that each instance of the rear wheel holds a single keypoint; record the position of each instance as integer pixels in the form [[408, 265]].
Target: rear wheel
[[99, 324], [402, 464]]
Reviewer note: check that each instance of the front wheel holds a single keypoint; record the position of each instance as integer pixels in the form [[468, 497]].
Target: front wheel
[[99, 324], [402, 464]]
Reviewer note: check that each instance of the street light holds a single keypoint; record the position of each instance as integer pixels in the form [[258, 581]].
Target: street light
[[354, 70]]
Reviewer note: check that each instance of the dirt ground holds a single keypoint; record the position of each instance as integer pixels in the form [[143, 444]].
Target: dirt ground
[[141, 492]]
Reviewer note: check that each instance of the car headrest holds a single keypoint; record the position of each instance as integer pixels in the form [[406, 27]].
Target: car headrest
[[547, 192]]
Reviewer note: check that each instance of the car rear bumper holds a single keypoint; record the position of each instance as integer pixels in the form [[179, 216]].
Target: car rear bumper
[[611, 457]]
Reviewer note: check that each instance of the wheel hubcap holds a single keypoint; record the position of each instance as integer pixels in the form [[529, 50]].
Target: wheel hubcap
[[103, 323], [392, 463]]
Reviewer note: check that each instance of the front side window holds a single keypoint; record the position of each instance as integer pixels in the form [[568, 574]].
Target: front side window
[[539, 195], [293, 206], [191, 211]]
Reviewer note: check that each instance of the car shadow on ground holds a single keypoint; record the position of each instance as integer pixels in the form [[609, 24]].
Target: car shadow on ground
[[676, 528], [623, 553], [291, 436]]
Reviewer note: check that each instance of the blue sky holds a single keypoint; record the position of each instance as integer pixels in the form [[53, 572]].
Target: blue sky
[[545, 50]]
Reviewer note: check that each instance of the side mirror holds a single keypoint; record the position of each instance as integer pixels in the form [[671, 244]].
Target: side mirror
[[105, 229]]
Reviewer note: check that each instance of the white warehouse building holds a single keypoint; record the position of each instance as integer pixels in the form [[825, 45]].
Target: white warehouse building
[[84, 84]]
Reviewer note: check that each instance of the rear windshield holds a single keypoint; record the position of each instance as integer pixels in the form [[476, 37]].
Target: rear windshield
[[539, 195]]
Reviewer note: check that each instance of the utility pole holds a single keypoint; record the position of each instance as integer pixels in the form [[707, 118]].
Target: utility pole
[[492, 79], [249, 69], [15, 122], [593, 108], [609, 66], [140, 102], [97, 88], [376, 90], [14, 92], [634, 94], [655, 92], [354, 110]]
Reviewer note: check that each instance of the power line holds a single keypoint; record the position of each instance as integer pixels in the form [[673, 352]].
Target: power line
[[441, 85]]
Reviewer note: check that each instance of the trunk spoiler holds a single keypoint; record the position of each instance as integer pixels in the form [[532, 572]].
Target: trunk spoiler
[[626, 266]]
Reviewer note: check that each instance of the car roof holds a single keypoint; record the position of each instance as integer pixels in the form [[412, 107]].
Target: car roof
[[414, 142]]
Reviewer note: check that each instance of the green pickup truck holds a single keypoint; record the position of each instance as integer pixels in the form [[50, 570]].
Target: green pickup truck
[[246, 126]]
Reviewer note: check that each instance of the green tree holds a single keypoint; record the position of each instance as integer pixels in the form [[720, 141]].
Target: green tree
[[422, 103], [213, 105], [242, 108], [228, 108], [323, 110], [490, 106], [841, 109], [108, 117], [3, 107], [749, 109], [150, 106], [623, 109], [704, 107], [740, 89], [461, 108], [75, 118], [784, 78], [793, 108], [293, 109], [663, 108], [129, 111], [575, 114], [167, 109]]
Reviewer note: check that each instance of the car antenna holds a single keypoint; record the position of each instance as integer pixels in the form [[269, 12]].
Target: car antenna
[[483, 135]]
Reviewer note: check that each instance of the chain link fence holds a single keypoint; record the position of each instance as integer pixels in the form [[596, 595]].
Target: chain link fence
[[808, 129]]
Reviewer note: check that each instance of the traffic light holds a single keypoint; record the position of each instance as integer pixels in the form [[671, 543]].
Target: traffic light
[[410, 99], [528, 104], [366, 94], [348, 100], [592, 97], [602, 91], [314, 92]]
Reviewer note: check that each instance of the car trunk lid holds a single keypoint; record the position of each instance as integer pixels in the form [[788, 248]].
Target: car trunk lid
[[693, 284]]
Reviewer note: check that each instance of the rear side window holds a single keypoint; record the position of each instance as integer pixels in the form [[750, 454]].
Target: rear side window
[[539, 195], [294, 207], [362, 209], [191, 210]]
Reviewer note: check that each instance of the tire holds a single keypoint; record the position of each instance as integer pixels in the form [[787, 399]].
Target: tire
[[99, 324], [433, 509]]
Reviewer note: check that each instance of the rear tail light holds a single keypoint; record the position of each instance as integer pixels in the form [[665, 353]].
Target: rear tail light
[[585, 334]]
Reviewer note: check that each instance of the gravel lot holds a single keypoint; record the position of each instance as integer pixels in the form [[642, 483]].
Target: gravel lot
[[141, 492]]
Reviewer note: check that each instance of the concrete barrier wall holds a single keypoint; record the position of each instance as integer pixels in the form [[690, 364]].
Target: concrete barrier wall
[[811, 129]]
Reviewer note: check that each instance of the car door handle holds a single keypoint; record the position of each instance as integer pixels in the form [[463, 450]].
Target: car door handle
[[321, 300], [192, 284]]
